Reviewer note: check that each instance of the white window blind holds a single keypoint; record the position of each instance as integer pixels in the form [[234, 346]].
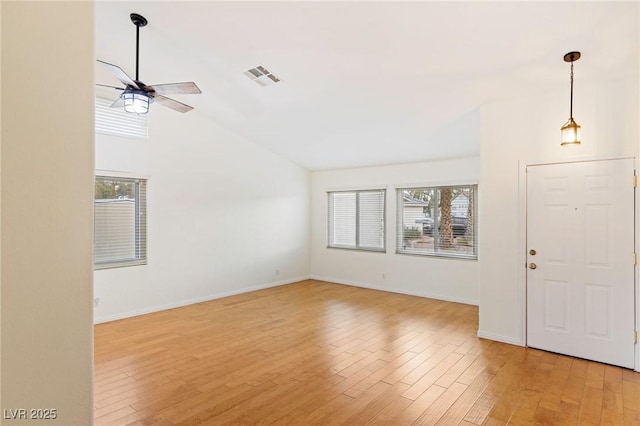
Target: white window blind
[[342, 224], [117, 122], [357, 220], [119, 222], [438, 221]]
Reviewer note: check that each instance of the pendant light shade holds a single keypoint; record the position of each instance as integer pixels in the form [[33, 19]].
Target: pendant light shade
[[136, 101], [570, 131]]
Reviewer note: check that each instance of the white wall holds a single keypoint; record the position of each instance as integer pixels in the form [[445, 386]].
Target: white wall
[[441, 278], [526, 131], [224, 215], [0, 212], [47, 205]]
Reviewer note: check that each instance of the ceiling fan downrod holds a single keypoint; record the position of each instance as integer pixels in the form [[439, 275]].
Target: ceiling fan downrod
[[138, 21]]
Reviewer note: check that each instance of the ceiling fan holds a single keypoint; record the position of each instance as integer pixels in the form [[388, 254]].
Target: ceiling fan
[[137, 96]]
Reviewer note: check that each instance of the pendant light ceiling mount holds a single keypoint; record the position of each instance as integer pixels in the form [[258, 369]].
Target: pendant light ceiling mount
[[572, 56], [570, 131]]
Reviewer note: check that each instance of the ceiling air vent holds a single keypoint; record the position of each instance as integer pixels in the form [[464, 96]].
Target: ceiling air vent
[[262, 76]]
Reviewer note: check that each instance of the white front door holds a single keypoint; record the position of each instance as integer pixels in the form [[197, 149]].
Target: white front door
[[580, 260]]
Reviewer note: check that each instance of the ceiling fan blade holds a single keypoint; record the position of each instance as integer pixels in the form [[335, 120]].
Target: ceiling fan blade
[[119, 103], [172, 103], [187, 88], [119, 74], [110, 87]]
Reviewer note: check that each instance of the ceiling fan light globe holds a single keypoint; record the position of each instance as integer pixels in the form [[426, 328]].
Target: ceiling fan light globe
[[570, 133], [136, 102]]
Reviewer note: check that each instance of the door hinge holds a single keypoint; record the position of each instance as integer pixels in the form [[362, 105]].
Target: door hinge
[[635, 259], [635, 337], [635, 181]]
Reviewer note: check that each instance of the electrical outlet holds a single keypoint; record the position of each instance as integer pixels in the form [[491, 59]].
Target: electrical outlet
[[96, 302], [384, 276], [277, 271]]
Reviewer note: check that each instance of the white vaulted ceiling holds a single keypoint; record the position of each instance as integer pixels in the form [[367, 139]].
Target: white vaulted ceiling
[[366, 83]]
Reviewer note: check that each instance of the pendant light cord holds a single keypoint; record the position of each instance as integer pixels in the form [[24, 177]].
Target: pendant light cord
[[571, 105]]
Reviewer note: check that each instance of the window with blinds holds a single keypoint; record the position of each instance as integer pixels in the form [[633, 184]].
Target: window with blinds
[[120, 230], [357, 220], [117, 122], [438, 221]]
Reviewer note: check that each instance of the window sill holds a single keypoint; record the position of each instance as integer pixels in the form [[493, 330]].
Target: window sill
[[123, 264], [369, 250], [440, 255]]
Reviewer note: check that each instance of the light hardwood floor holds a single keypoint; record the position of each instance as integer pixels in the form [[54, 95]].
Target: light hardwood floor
[[321, 353]]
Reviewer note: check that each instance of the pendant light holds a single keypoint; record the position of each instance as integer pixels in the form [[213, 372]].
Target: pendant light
[[570, 131]]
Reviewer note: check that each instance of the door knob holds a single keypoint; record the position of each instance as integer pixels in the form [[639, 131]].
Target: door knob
[[532, 266]]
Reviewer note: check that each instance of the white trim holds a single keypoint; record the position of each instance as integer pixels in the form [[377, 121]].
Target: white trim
[[501, 338], [396, 290], [433, 184], [637, 284], [351, 188], [119, 174], [522, 254], [157, 308], [577, 160]]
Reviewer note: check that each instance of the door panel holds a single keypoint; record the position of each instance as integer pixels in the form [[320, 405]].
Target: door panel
[[599, 311], [598, 244], [580, 296], [555, 306]]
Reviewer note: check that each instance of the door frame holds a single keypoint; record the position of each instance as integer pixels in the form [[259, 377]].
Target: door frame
[[522, 242]]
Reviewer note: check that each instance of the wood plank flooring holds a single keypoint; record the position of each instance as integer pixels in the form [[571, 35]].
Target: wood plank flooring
[[316, 353]]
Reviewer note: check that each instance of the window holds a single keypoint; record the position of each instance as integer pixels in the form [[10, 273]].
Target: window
[[117, 122], [438, 221], [119, 222], [356, 219]]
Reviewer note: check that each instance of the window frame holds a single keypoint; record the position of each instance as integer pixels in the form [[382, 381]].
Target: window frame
[[439, 254], [358, 246], [140, 227]]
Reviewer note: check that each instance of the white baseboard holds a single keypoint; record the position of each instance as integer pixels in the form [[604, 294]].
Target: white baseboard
[[157, 308], [397, 290], [500, 338]]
